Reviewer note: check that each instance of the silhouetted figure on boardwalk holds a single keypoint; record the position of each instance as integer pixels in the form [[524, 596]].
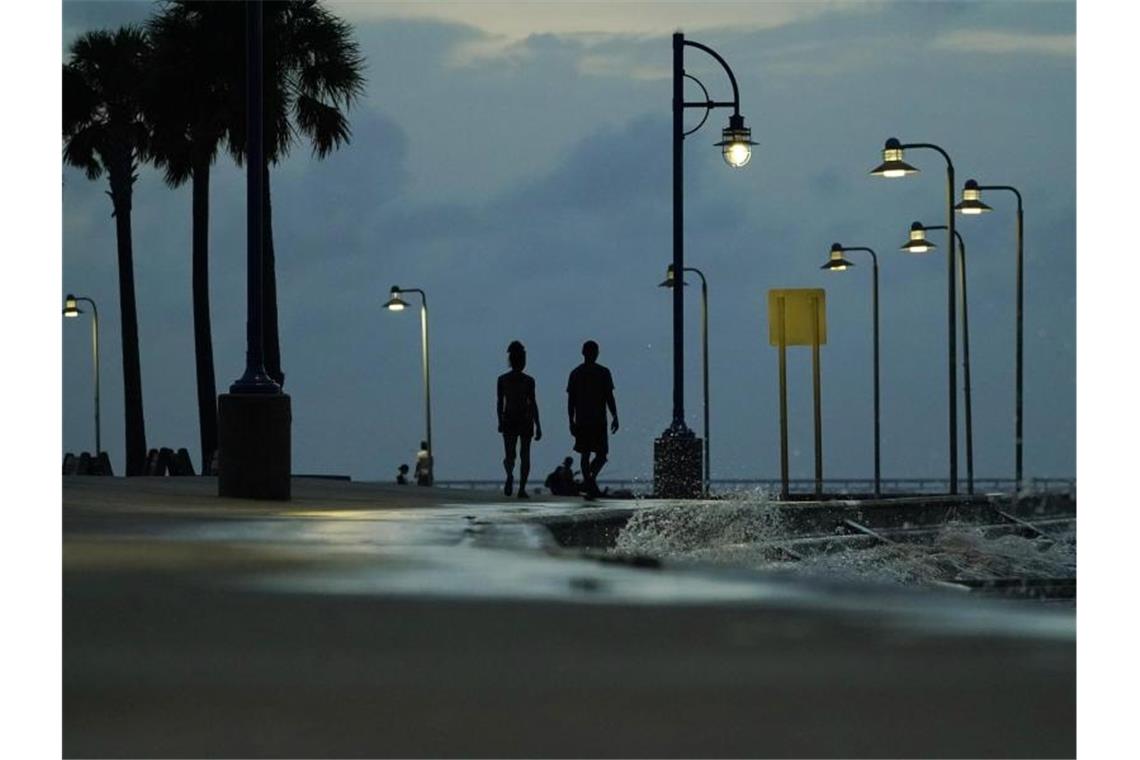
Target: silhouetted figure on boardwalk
[[561, 481], [589, 392], [402, 475], [517, 409]]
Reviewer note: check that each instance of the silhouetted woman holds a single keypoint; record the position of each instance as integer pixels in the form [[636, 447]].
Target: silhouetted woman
[[517, 408]]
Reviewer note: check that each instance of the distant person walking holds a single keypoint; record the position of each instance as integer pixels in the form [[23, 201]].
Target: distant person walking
[[517, 410], [423, 465], [589, 392]]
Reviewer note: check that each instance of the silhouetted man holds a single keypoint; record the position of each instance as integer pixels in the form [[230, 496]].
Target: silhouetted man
[[589, 392]]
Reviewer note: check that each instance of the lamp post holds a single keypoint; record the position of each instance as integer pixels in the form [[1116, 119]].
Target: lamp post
[[917, 243], [395, 303], [255, 417], [676, 466], [71, 309], [972, 204], [669, 282], [837, 263], [893, 165]]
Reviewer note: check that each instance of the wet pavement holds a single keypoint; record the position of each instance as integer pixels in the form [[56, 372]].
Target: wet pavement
[[374, 620]]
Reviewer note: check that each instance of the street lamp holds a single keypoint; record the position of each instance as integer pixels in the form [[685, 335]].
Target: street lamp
[[395, 303], [669, 282], [837, 263], [677, 453], [71, 309], [894, 165], [917, 243], [255, 445], [972, 204]]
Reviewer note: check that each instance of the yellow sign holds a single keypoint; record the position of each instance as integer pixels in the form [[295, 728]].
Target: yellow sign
[[804, 312]]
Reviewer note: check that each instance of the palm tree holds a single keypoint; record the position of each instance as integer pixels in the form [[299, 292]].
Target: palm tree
[[104, 130], [188, 104], [313, 73]]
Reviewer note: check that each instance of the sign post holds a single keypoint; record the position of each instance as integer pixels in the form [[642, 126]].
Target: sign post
[[798, 317]]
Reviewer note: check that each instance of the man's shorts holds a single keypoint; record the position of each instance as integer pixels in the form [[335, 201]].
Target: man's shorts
[[592, 438]]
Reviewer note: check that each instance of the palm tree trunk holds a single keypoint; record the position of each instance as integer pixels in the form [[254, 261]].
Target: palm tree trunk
[[135, 426], [271, 339], [203, 342]]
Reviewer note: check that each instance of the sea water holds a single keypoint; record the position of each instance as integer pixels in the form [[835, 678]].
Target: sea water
[[750, 531]]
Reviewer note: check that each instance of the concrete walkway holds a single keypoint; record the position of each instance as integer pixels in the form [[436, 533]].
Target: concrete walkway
[[375, 620]]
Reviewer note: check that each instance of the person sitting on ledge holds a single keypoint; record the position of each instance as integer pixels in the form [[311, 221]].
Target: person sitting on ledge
[[402, 475], [561, 480]]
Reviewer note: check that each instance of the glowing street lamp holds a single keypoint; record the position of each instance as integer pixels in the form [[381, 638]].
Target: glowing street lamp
[[836, 262], [669, 282], [917, 243], [736, 142], [71, 309], [972, 204], [895, 165], [676, 467], [395, 303]]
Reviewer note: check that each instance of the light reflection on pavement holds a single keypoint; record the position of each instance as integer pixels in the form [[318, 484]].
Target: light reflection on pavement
[[484, 551]]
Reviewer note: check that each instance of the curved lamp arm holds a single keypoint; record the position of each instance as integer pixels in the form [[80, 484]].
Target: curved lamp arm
[[731, 78]]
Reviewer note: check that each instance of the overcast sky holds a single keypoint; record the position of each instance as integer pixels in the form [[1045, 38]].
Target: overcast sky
[[514, 162]]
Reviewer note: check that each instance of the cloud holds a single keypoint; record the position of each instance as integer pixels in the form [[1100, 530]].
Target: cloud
[[1006, 43], [520, 19]]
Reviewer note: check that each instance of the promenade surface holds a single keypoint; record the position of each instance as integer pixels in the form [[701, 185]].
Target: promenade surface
[[374, 620]]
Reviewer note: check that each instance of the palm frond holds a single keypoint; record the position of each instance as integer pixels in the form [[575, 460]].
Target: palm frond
[[325, 125]]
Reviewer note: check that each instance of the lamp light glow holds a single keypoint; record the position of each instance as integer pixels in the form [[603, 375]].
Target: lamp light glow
[[971, 199], [670, 280], [835, 261], [70, 307], [917, 242], [395, 303], [736, 142], [893, 164]]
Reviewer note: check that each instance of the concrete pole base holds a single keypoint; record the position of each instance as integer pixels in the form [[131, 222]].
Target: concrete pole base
[[254, 445], [677, 466]]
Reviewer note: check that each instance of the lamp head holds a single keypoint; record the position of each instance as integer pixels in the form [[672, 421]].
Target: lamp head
[[971, 199], [70, 307], [670, 280], [836, 262], [395, 303], [893, 164], [736, 142], [917, 242]]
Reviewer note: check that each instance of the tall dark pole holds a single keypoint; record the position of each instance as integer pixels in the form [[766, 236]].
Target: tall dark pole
[[704, 368], [875, 333], [677, 453], [1020, 331], [875, 317], [966, 384], [705, 372], [69, 311], [966, 370], [1020, 334], [255, 445], [254, 380], [952, 353], [894, 166], [678, 424]]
